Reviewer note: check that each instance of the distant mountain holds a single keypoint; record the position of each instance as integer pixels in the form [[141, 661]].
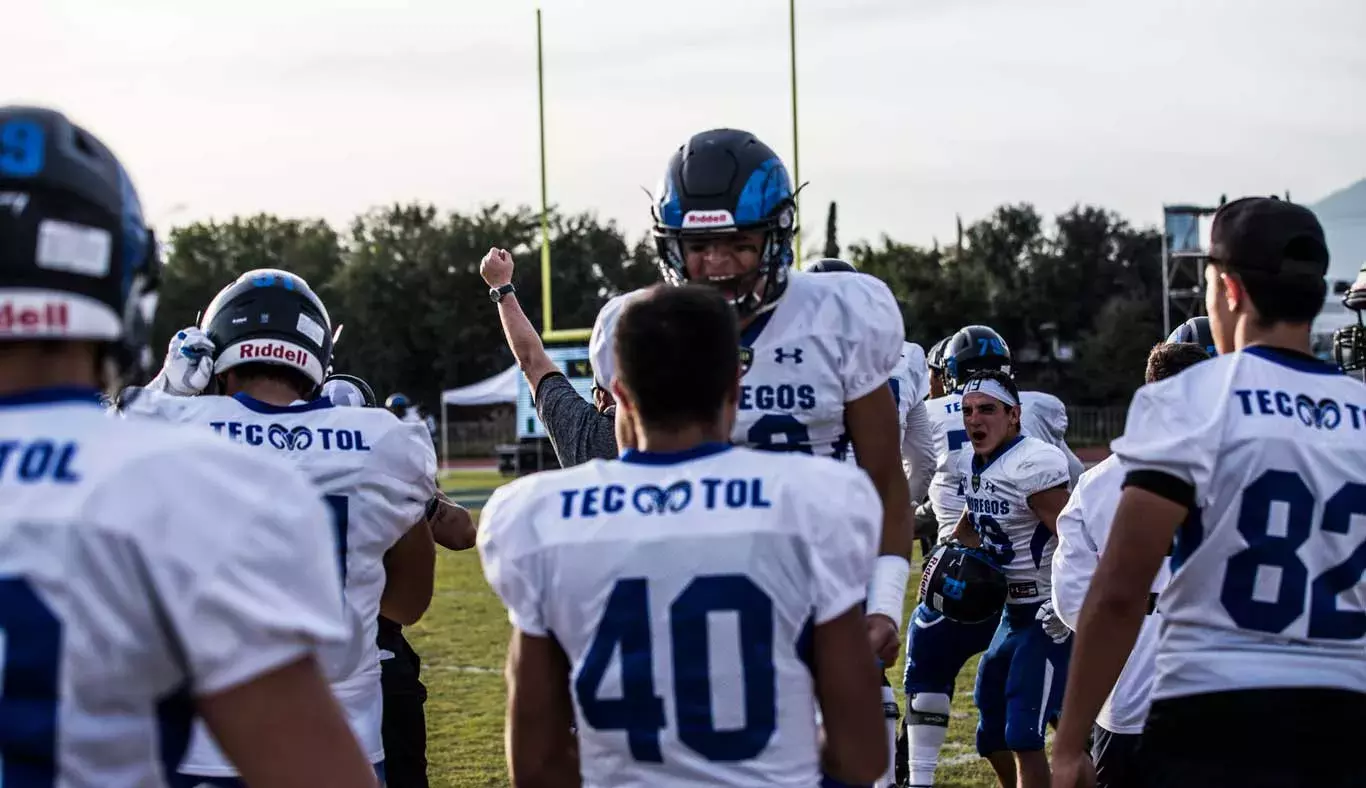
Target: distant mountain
[[1343, 215]]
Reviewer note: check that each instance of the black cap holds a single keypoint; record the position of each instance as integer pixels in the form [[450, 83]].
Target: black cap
[[1271, 236]]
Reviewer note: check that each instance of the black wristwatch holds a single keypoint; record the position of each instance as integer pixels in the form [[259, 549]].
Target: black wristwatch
[[497, 294]]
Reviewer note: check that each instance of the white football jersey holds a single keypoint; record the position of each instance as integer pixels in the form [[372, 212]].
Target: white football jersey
[[1083, 530], [830, 339], [1266, 587], [375, 472], [911, 381], [142, 565], [1042, 416], [684, 588], [997, 498]]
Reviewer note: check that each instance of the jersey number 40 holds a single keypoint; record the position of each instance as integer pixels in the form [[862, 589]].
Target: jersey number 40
[[640, 711]]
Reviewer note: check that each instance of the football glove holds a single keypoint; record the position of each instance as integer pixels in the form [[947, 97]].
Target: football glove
[[1052, 625], [188, 367]]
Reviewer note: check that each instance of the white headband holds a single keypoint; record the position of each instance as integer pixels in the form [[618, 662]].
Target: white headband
[[991, 388]]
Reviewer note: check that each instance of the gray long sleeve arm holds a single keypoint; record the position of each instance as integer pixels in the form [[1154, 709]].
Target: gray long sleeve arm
[[577, 430]]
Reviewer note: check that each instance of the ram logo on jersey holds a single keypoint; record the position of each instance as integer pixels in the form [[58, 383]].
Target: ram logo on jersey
[[37, 461], [653, 499], [1325, 414], [297, 438]]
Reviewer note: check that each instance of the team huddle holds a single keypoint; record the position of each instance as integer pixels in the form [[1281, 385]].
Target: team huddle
[[195, 577]]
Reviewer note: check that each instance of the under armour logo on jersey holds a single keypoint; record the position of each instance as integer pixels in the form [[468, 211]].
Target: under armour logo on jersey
[[652, 499], [297, 439], [1323, 414], [795, 354]]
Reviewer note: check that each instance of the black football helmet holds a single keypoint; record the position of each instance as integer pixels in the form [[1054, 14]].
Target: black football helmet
[[827, 265], [269, 316], [935, 358], [1349, 342], [974, 348], [77, 261], [348, 390], [963, 584], [725, 181], [1195, 331]]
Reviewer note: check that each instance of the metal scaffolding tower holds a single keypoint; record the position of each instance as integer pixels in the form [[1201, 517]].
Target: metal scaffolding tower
[[1183, 263]]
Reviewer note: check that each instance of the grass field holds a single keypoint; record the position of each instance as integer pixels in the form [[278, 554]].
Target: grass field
[[463, 638]]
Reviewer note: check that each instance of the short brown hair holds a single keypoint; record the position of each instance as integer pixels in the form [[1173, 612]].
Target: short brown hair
[[1167, 359]]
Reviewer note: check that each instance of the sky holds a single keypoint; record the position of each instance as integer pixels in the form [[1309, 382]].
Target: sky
[[910, 111]]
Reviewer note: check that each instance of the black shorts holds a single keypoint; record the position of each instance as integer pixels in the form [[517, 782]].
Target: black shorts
[[405, 722], [1114, 757], [1267, 738]]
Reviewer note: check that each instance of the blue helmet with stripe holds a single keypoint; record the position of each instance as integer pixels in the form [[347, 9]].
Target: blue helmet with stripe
[[1195, 331], [727, 181]]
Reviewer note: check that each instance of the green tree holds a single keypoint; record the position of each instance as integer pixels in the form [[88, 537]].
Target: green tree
[[207, 256]]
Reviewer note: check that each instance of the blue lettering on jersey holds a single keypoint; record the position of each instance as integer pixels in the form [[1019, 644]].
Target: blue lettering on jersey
[[299, 438], [1324, 414], [38, 461], [988, 506], [781, 397], [653, 499], [953, 407]]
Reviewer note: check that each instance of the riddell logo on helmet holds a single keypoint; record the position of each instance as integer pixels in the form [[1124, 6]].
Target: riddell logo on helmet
[[273, 352], [708, 219], [33, 318]]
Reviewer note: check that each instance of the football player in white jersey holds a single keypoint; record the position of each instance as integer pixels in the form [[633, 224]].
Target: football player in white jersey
[[146, 572], [937, 648], [266, 339], [1083, 529], [688, 606], [818, 350], [1014, 486], [1254, 463]]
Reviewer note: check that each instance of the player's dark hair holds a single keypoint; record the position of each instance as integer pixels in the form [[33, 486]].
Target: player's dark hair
[[1168, 358], [1280, 298], [246, 373], [1006, 381], [678, 353]]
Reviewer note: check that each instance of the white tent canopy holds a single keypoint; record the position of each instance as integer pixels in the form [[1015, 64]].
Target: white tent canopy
[[499, 389]]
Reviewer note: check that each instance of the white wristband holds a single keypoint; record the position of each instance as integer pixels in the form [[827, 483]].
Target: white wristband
[[887, 592]]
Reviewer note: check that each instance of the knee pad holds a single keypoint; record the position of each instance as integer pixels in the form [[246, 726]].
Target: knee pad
[[928, 708]]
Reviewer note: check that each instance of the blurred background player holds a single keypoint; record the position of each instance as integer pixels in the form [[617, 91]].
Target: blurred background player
[[1253, 462], [1083, 529], [1349, 342], [1195, 331], [403, 408], [937, 648], [683, 527], [935, 361], [146, 572], [404, 729], [266, 339], [909, 385], [817, 351], [1014, 486]]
